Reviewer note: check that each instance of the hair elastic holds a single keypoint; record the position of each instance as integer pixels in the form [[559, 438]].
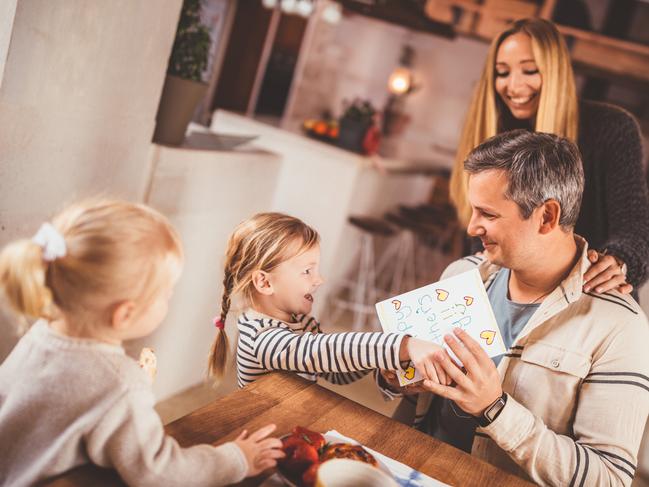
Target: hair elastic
[[218, 322], [51, 241]]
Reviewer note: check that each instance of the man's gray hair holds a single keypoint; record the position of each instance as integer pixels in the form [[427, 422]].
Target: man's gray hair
[[539, 167]]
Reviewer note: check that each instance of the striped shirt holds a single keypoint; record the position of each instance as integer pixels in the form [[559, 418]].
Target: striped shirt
[[266, 344]]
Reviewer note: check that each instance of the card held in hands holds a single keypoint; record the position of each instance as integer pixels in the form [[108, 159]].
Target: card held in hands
[[432, 311]]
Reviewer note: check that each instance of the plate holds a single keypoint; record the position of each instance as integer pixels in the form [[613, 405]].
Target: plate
[[332, 439]]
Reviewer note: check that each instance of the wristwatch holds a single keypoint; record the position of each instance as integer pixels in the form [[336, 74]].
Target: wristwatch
[[492, 412]]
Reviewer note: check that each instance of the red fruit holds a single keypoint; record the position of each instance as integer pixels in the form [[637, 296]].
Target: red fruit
[[312, 437], [299, 455], [320, 127], [309, 476], [371, 140]]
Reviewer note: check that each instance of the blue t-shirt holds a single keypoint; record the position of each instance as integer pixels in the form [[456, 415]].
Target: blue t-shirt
[[445, 420]]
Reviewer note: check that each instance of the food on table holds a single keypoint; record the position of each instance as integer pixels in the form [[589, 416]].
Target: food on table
[[324, 129], [315, 439], [345, 450], [306, 450]]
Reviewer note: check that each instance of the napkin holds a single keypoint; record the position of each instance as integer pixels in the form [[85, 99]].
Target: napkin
[[403, 474]]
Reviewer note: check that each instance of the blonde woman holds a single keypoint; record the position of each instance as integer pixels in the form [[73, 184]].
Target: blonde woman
[[527, 82]]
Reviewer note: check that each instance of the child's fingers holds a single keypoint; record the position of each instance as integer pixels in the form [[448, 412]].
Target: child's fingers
[[262, 433], [265, 463], [274, 453], [243, 435], [270, 443]]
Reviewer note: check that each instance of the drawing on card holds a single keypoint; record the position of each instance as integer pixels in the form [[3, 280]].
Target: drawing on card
[[433, 311], [409, 373], [488, 336]]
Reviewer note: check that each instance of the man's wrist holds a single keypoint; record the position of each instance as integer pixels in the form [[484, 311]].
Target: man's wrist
[[492, 411]]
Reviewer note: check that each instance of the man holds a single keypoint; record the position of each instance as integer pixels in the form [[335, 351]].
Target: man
[[568, 402]]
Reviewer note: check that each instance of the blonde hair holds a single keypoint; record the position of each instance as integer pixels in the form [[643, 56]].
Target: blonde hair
[[114, 252], [557, 113], [260, 243]]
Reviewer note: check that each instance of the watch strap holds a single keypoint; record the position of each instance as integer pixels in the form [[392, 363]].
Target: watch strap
[[492, 411]]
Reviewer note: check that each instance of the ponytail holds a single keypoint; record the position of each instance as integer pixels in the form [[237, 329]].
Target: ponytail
[[220, 347], [23, 273]]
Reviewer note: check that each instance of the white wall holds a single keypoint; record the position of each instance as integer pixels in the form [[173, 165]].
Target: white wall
[[205, 194], [355, 58], [78, 97]]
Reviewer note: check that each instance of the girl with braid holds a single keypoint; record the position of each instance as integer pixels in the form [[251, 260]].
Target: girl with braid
[[272, 264]]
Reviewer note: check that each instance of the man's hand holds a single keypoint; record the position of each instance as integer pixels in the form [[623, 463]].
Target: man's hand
[[479, 387], [605, 274]]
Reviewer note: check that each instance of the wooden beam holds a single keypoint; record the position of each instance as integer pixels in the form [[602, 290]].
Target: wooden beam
[[547, 9], [620, 58]]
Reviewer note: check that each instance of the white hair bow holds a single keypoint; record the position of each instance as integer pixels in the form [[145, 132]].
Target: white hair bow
[[51, 241]]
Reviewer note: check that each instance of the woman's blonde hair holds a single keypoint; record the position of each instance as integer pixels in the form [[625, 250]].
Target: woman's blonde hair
[[557, 113], [115, 251], [260, 243]]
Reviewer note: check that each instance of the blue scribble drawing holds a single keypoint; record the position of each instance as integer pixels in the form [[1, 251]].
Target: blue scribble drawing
[[411, 481]]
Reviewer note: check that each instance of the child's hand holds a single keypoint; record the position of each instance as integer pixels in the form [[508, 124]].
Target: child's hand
[[260, 452], [421, 353], [389, 378]]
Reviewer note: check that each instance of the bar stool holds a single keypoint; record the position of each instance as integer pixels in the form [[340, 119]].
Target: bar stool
[[362, 293], [398, 263], [437, 231]]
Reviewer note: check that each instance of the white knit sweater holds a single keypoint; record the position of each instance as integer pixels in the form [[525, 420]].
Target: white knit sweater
[[65, 402]]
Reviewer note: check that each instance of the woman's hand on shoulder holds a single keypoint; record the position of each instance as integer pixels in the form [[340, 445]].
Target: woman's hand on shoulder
[[605, 273]]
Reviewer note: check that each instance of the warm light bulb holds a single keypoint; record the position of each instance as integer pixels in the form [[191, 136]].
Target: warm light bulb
[[332, 13], [399, 82], [304, 7], [289, 6]]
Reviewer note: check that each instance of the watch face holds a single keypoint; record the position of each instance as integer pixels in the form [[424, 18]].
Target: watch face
[[493, 411]]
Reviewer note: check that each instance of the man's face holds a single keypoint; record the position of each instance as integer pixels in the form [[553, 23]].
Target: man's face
[[508, 239]]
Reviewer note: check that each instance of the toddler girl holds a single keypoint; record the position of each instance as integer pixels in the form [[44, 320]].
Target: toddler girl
[[101, 273], [272, 261]]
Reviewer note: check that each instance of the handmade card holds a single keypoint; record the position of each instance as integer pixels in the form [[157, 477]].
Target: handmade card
[[432, 311]]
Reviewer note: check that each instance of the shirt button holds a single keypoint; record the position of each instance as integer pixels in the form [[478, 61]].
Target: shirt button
[[555, 363]]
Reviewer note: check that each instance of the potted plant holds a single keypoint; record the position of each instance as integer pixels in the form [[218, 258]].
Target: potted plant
[[184, 86], [357, 122]]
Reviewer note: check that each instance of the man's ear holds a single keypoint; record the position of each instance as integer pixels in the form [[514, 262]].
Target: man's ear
[[261, 281], [122, 316], [550, 216]]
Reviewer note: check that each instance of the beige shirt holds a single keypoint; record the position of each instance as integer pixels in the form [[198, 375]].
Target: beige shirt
[[66, 402], [578, 383]]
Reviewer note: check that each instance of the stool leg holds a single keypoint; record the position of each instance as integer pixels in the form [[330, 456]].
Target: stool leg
[[365, 282]]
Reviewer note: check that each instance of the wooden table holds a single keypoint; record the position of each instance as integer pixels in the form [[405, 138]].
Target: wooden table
[[287, 400]]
